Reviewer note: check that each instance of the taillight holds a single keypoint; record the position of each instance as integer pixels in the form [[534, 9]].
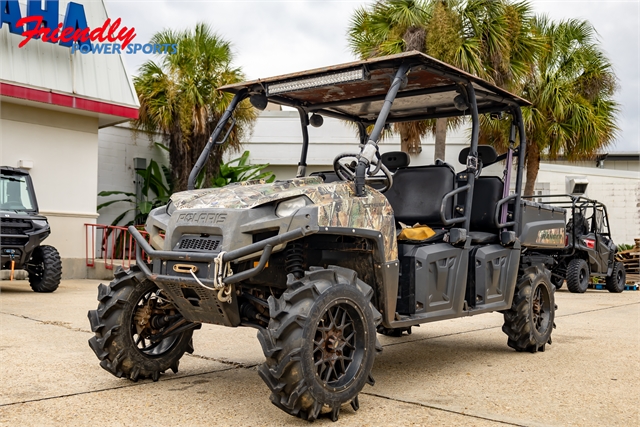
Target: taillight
[[566, 240], [590, 243]]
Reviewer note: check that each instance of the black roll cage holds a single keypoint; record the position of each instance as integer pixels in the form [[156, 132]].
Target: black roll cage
[[462, 84]]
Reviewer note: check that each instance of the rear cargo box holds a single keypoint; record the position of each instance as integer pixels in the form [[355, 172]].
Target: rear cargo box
[[543, 226]]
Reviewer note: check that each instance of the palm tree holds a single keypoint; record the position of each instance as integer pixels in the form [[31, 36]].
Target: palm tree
[[491, 39], [571, 88], [178, 98]]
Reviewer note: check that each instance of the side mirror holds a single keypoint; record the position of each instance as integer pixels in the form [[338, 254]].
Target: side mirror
[[259, 101]]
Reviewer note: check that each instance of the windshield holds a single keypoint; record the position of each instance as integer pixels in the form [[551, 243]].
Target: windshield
[[15, 193]]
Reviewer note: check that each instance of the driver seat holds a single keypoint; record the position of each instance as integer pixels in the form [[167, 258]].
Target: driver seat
[[416, 194]]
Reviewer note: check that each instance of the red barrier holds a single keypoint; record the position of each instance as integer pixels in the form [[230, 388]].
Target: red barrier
[[116, 245]]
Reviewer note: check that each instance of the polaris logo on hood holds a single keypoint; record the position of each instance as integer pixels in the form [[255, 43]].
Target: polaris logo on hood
[[203, 218]]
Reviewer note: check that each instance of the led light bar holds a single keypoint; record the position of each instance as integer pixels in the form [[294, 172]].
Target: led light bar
[[326, 80]]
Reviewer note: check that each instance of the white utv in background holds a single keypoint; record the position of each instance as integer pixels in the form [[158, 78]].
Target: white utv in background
[[314, 263]]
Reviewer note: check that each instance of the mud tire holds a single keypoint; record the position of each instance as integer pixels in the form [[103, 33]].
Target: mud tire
[[45, 269], [578, 276], [294, 343], [113, 324], [618, 279], [530, 321]]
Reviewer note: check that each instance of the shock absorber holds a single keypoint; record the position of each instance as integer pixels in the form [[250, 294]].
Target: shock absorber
[[294, 259]]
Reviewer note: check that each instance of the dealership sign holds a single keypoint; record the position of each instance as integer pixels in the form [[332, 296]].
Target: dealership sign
[[74, 32]]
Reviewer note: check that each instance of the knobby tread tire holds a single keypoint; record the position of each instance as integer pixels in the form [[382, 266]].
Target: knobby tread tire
[[518, 324], [611, 283], [52, 270], [283, 342], [574, 284], [111, 322]]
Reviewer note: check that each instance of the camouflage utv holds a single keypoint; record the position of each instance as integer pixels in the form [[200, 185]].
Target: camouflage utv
[[315, 263]]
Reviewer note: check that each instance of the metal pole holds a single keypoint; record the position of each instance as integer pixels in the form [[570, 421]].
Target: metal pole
[[388, 102], [472, 158], [304, 122], [521, 154], [204, 156], [370, 148], [509, 165]]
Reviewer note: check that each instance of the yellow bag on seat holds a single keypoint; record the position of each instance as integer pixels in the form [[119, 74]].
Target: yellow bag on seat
[[417, 232]]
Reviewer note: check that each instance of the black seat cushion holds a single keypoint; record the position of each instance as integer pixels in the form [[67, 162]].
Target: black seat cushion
[[417, 193], [480, 237], [487, 192], [395, 160]]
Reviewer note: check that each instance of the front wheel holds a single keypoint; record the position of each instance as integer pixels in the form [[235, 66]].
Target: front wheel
[[529, 321], [616, 282], [578, 276], [320, 343], [138, 331], [45, 269]]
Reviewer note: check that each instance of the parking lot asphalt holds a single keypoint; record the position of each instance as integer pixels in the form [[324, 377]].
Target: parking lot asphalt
[[456, 372]]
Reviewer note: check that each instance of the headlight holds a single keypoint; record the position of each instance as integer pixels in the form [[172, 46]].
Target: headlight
[[40, 222], [288, 207], [171, 208]]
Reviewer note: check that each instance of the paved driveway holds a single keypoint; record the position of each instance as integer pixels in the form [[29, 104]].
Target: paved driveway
[[457, 372]]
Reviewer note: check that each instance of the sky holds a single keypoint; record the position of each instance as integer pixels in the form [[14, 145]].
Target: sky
[[271, 37]]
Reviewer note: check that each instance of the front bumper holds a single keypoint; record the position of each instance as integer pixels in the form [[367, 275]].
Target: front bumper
[[23, 246], [195, 302]]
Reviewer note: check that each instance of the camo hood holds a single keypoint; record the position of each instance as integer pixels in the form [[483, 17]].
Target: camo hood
[[245, 195], [337, 203]]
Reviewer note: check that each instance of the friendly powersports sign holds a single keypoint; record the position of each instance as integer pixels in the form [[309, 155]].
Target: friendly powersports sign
[[41, 24]]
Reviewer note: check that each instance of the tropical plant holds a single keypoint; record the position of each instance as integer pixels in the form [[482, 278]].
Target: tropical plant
[[178, 98], [157, 187], [491, 39], [625, 247], [571, 87], [239, 170]]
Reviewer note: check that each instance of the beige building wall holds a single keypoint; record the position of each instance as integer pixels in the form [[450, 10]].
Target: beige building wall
[[64, 150]]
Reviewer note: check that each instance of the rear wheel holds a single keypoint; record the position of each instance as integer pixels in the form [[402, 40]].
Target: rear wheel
[[138, 332], [45, 269], [320, 343], [578, 276], [529, 321], [616, 282]]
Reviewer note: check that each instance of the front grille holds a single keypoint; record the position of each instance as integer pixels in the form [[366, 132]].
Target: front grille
[[199, 244], [14, 226], [13, 241]]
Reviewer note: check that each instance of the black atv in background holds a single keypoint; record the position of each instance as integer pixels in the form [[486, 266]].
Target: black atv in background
[[22, 231], [589, 250]]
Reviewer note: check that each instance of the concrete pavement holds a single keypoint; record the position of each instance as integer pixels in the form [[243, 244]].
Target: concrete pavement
[[457, 372]]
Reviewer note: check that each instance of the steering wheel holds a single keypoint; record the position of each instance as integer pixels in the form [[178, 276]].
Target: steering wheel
[[346, 171]]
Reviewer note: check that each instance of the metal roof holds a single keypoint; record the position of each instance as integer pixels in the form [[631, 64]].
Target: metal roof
[[430, 89]]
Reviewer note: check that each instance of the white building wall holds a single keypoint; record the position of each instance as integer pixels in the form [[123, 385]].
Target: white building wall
[[118, 146], [64, 151], [277, 140]]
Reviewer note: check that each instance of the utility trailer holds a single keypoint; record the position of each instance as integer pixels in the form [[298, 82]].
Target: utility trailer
[[315, 264]]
